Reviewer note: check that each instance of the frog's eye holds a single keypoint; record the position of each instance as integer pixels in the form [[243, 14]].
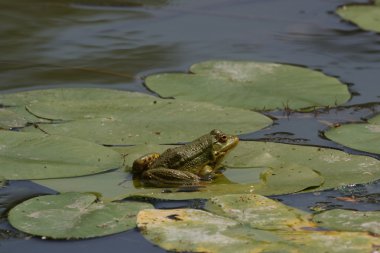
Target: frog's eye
[[223, 138]]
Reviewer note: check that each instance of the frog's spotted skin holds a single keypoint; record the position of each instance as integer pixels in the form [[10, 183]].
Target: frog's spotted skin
[[187, 164]]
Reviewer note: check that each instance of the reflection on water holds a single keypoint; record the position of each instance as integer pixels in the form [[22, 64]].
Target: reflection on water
[[51, 43]]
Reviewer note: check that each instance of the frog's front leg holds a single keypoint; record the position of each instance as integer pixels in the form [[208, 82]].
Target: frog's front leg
[[143, 163], [163, 177]]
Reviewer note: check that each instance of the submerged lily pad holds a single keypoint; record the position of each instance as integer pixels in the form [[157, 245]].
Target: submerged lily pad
[[119, 117], [360, 136], [366, 16], [35, 156], [252, 85], [74, 215], [348, 220], [259, 212]]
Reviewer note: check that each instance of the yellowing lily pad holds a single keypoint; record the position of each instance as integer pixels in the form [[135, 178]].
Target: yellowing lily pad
[[251, 85], [366, 16], [119, 117], [259, 212], [361, 136], [348, 220], [190, 230], [73, 215], [193, 230], [36, 156], [331, 241]]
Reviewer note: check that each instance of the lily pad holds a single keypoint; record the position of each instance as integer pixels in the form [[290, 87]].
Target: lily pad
[[360, 136], [119, 117], [109, 184], [73, 215], [274, 168], [366, 16], [10, 119], [262, 180], [193, 230], [190, 230], [348, 220], [331, 241], [259, 212], [335, 167], [251, 85], [36, 156]]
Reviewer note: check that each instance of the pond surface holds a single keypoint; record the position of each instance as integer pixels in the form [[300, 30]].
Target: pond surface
[[116, 43]]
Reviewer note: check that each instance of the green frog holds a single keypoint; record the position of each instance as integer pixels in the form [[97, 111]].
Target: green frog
[[188, 164]]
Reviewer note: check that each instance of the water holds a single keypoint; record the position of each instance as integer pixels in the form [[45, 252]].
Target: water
[[116, 43]]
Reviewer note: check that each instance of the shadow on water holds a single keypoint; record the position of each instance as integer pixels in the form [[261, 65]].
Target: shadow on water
[[115, 43]]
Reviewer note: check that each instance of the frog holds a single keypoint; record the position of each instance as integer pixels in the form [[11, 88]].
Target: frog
[[186, 165]]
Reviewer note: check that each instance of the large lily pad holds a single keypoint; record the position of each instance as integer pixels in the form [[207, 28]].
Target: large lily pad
[[365, 16], [361, 136], [251, 85], [10, 119], [73, 215], [190, 230], [118, 117], [336, 167], [348, 220], [110, 185], [35, 156], [274, 168], [193, 230], [331, 241], [259, 212], [252, 167]]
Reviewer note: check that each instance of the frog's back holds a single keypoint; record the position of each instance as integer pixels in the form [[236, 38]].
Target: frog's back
[[188, 157]]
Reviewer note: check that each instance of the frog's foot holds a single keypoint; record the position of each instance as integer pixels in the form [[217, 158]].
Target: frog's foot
[[163, 177], [143, 163], [207, 173]]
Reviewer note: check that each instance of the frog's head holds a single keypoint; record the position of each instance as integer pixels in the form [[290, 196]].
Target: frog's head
[[222, 143]]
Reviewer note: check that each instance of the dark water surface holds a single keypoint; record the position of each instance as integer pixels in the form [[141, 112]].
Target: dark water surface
[[116, 43]]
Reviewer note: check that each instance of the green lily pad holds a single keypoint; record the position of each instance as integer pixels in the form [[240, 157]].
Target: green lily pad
[[109, 184], [73, 215], [259, 212], [10, 119], [119, 117], [269, 168], [335, 167], [360, 136], [365, 16], [348, 220], [251, 85], [36, 156], [262, 180]]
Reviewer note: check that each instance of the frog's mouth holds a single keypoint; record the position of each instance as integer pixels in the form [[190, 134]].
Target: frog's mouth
[[231, 143]]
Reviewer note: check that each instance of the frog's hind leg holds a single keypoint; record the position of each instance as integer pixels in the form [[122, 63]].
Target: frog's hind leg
[[163, 177], [143, 163]]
